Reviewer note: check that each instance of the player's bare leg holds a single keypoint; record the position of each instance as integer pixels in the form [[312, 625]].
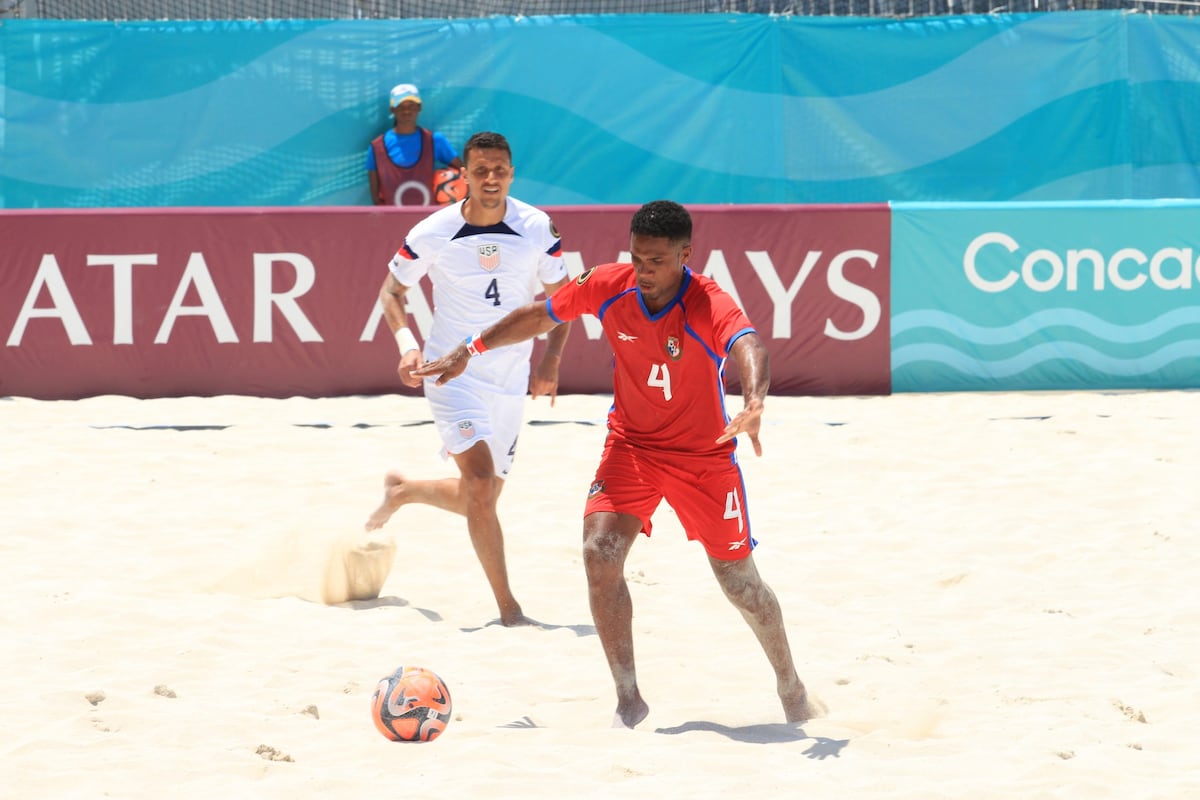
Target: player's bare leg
[[480, 491], [443, 493], [607, 538], [748, 592]]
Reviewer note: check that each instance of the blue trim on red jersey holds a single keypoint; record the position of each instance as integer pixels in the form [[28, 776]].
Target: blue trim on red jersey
[[745, 503], [737, 336], [683, 286], [719, 371], [600, 312], [690, 332]]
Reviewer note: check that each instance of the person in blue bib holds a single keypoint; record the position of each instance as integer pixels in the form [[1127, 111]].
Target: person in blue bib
[[401, 161]]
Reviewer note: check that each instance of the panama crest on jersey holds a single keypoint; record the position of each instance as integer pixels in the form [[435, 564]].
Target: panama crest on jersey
[[674, 348], [489, 256]]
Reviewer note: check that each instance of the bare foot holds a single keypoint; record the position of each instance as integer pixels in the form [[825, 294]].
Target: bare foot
[[513, 617], [630, 713], [393, 498], [797, 705]]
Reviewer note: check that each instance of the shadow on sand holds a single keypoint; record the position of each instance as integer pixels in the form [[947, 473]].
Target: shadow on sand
[[821, 748]]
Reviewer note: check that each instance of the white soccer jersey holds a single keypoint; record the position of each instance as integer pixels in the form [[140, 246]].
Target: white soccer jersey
[[478, 276]]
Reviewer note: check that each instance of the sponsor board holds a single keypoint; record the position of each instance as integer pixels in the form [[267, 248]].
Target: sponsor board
[[1046, 296], [283, 302]]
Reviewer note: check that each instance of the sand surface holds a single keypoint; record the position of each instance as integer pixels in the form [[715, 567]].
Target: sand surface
[[994, 594]]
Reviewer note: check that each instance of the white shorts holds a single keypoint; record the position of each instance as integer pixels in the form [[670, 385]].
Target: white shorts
[[465, 415]]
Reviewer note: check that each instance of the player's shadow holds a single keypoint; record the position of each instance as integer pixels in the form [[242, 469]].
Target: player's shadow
[[578, 630], [822, 747], [392, 601], [433, 616], [161, 427]]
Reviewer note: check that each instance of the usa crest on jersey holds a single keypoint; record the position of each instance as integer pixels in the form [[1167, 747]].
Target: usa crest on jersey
[[489, 256]]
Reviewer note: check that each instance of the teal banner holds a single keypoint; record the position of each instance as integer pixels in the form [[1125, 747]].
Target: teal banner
[[608, 108], [1045, 296]]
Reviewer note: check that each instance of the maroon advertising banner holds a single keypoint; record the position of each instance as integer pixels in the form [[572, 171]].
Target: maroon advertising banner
[[282, 302]]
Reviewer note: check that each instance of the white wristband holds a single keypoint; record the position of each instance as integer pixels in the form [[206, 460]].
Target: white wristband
[[406, 341]]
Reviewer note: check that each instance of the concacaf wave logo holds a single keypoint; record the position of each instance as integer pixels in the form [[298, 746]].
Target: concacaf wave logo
[[1045, 297], [582, 279]]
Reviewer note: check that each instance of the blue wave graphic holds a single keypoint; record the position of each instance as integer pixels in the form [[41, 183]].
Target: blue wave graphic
[[117, 56], [980, 93], [841, 134], [702, 108], [1040, 321], [1085, 356], [203, 129]]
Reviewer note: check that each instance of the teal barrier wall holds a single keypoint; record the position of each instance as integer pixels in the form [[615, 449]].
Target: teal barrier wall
[[1045, 296], [609, 109]]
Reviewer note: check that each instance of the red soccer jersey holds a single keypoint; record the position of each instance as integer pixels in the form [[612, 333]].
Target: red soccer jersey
[[669, 367]]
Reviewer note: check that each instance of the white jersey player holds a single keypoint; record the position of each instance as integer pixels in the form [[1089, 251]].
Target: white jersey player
[[485, 256], [479, 274]]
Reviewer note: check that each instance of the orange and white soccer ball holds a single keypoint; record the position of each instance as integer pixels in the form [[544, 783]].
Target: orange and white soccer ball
[[449, 186], [411, 705]]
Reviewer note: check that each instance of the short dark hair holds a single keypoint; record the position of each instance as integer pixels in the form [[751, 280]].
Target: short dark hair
[[486, 140], [663, 218]]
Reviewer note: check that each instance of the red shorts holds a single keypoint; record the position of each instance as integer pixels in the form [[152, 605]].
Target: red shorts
[[707, 493]]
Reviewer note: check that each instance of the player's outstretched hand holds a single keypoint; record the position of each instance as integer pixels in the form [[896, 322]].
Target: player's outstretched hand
[[544, 380], [447, 367], [747, 421]]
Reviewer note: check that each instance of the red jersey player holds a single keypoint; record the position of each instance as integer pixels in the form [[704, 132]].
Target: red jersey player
[[669, 434]]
